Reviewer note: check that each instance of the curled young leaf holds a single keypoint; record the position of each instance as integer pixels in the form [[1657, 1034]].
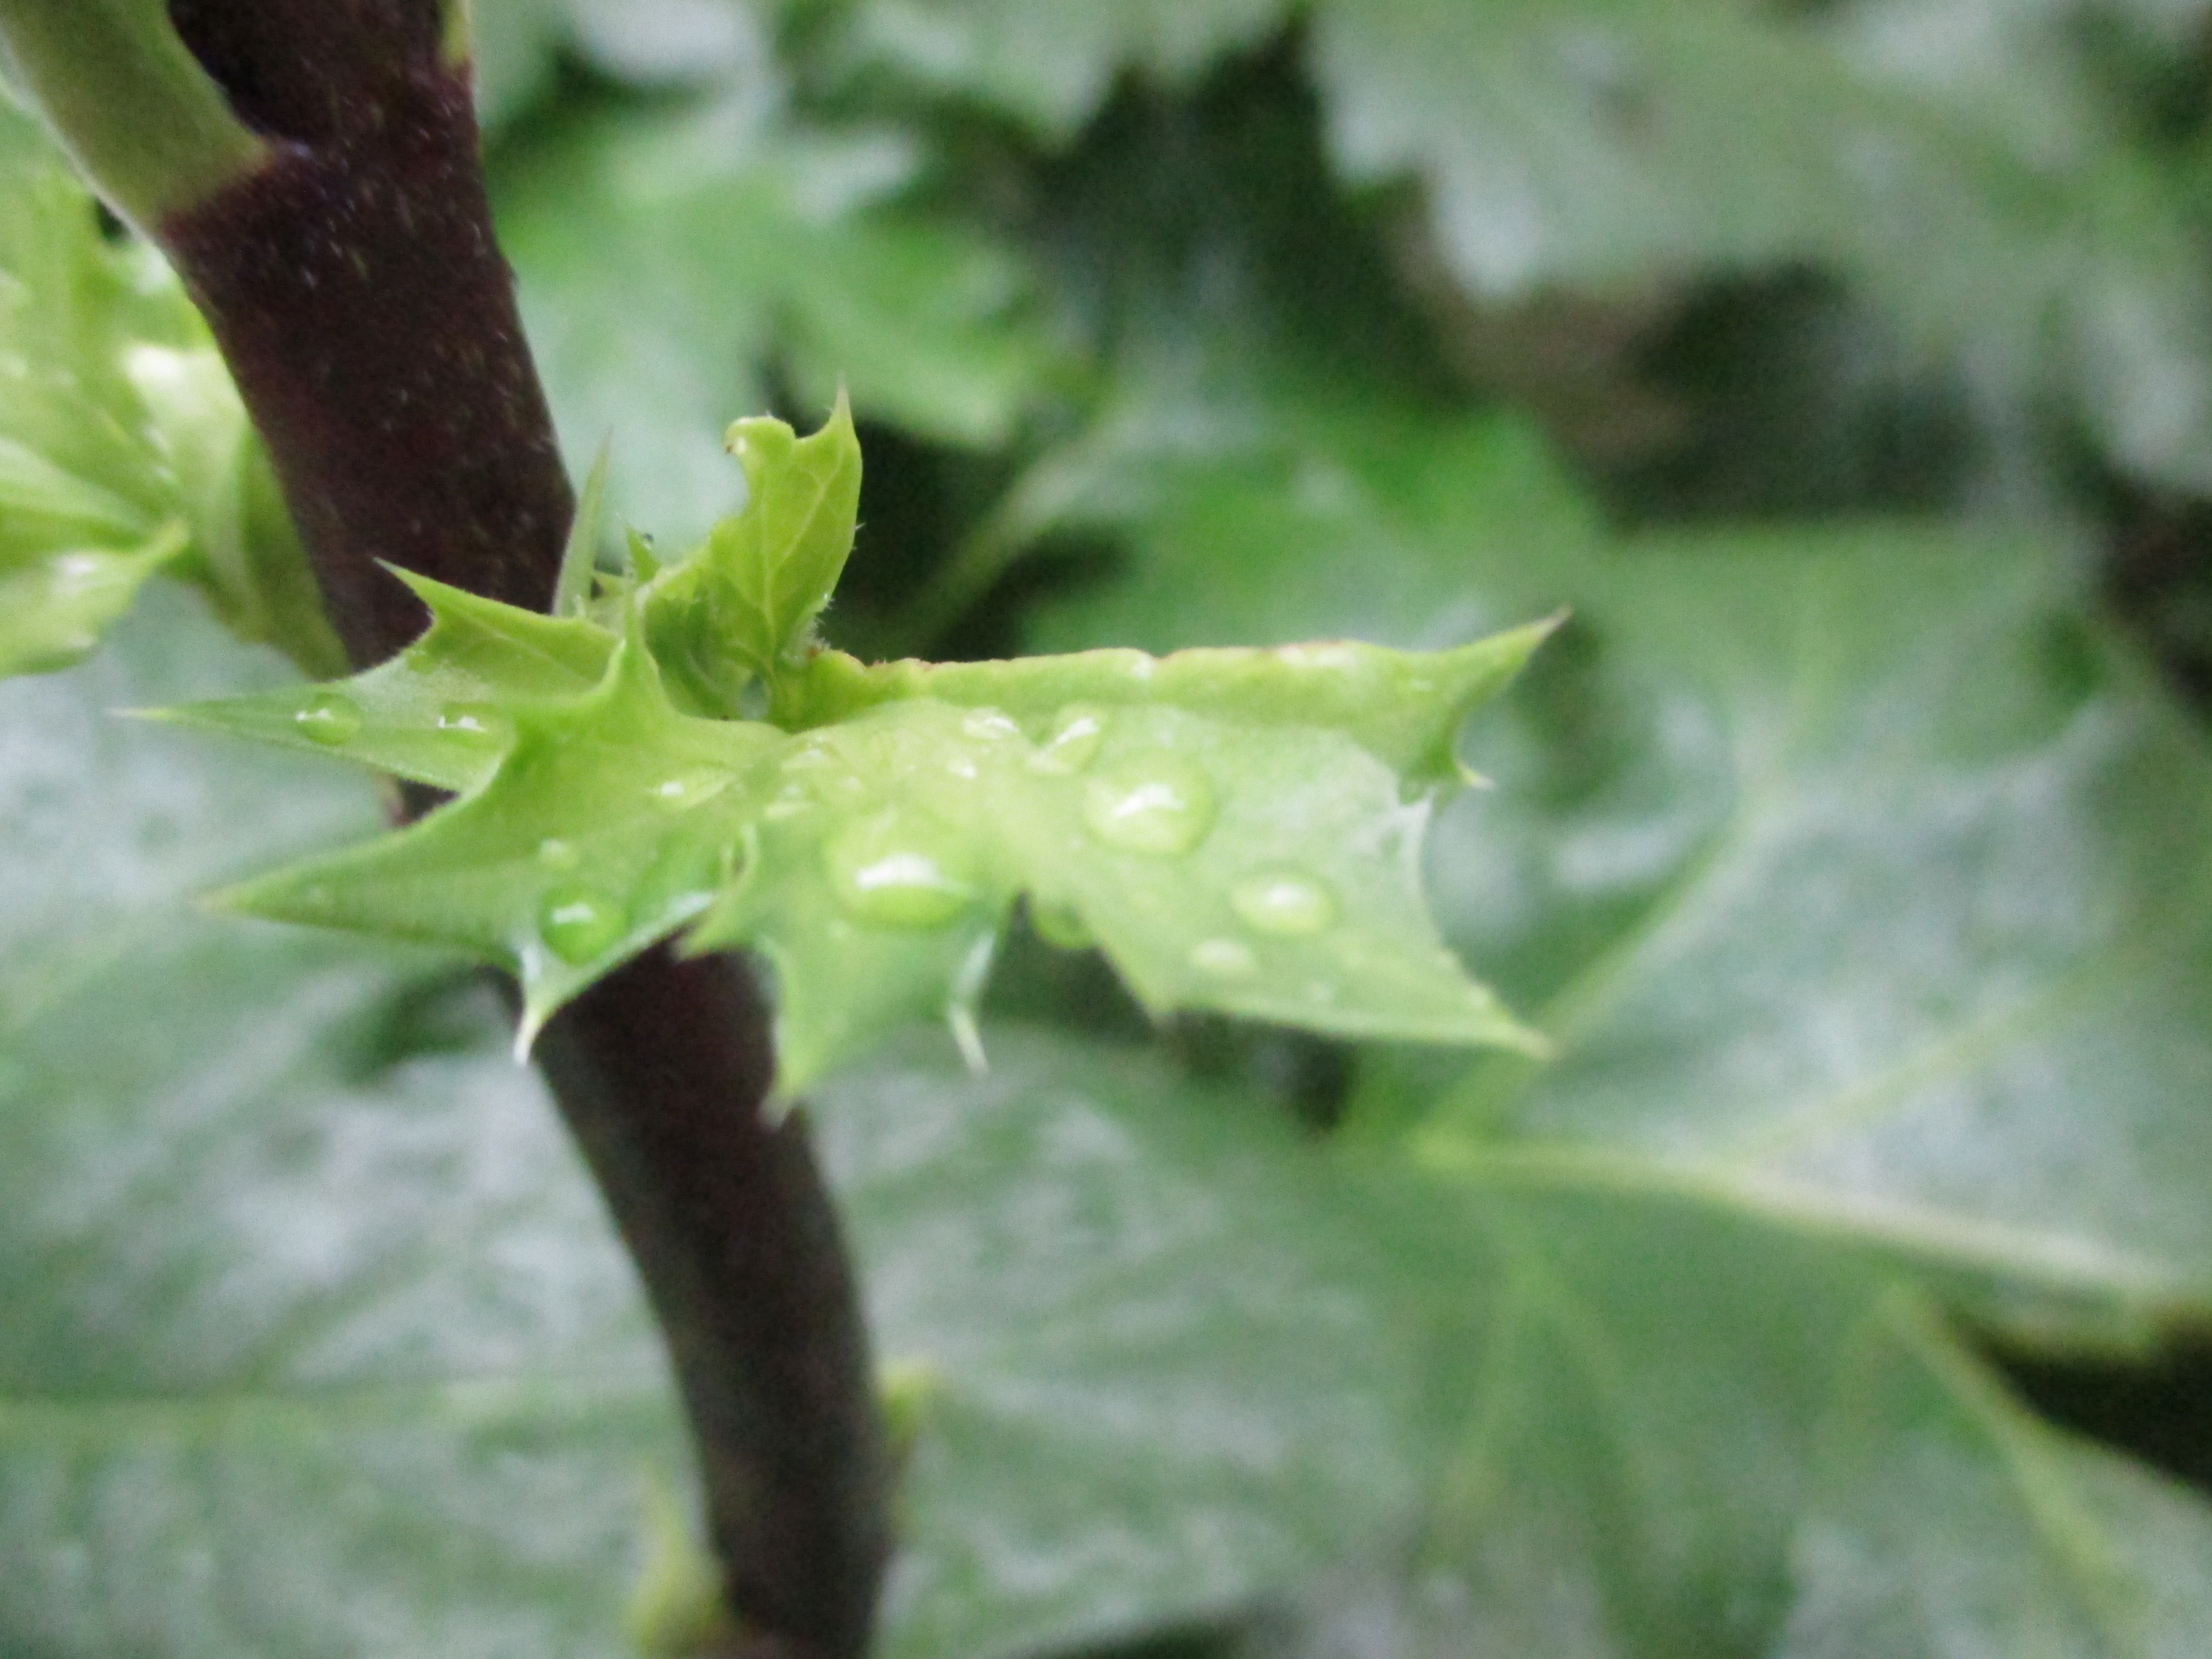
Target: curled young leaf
[[743, 608]]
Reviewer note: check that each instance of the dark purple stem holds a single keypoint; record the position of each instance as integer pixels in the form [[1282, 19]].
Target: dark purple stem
[[365, 309], [366, 313]]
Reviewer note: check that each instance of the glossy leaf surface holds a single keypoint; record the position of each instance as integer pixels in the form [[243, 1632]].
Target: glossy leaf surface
[[1878, 898]]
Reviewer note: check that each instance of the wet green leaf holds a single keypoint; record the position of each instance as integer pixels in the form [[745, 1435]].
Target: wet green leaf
[[1944, 1518], [1683, 1431], [1265, 864], [1240, 829], [1878, 915], [433, 714]]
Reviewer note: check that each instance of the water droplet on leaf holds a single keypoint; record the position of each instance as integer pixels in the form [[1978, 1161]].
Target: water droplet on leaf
[[557, 854], [1224, 957], [578, 924], [474, 722], [691, 787], [1284, 902], [989, 725], [329, 718], [1077, 732], [898, 869], [1159, 804]]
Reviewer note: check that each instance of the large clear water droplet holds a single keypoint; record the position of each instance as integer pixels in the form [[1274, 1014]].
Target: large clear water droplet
[[578, 924], [1224, 958], [1284, 902], [692, 786], [329, 718], [1072, 742], [478, 723], [1158, 803], [898, 869]]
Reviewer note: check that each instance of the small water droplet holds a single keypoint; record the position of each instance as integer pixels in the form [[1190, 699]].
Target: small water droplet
[[1284, 902], [578, 924], [900, 869], [1159, 804], [989, 725], [1061, 925], [557, 854], [1226, 957], [691, 787], [474, 722], [329, 718], [1077, 732], [72, 572]]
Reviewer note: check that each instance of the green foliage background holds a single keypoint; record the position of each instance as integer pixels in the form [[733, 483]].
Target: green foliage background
[[1840, 365]]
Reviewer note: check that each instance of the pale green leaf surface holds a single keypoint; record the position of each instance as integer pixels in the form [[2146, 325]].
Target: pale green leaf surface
[[1051, 65], [1261, 866], [647, 43], [1273, 873], [54, 609], [1945, 1519], [436, 713], [1683, 1432], [317, 1347], [1317, 513], [582, 850], [123, 449], [664, 259], [1862, 888], [1405, 709]]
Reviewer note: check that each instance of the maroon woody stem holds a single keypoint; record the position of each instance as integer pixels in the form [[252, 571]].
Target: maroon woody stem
[[357, 293]]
